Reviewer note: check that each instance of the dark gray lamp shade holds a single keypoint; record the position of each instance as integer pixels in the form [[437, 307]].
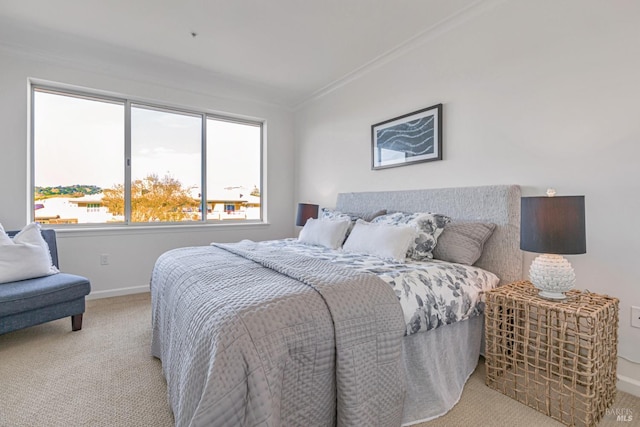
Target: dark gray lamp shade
[[306, 211], [553, 225]]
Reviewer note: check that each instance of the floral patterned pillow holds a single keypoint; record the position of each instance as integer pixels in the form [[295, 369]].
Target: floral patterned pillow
[[367, 216], [429, 226], [334, 215]]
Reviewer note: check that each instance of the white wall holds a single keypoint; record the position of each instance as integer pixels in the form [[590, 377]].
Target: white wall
[[540, 94], [132, 251]]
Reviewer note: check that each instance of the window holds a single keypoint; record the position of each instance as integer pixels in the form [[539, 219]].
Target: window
[[235, 149], [78, 151], [165, 165], [100, 160]]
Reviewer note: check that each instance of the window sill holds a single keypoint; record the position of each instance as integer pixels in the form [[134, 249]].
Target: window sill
[[114, 230]]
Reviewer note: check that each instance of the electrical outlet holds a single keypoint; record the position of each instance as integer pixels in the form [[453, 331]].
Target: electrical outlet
[[104, 259], [635, 317]]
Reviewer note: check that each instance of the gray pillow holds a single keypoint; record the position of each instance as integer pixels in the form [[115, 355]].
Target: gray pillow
[[462, 242]]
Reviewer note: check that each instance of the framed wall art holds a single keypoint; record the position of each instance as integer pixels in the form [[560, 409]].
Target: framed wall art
[[412, 138]]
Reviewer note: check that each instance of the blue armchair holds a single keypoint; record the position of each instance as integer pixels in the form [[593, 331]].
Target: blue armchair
[[30, 302]]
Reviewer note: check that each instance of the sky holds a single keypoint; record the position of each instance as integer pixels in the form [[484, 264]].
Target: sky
[[79, 141]]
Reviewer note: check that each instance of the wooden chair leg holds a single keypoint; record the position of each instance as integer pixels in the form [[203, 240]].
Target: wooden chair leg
[[76, 322]]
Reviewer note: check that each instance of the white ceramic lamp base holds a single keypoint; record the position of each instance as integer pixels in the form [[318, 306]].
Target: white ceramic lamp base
[[553, 275]]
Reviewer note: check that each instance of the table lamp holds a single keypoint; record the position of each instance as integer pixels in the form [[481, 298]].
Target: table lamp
[[552, 226], [306, 211]]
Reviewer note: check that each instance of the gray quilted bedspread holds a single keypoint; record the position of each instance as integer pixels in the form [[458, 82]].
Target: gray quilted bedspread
[[252, 336]]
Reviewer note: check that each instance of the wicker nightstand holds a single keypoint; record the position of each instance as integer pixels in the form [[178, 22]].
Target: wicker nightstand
[[558, 357]]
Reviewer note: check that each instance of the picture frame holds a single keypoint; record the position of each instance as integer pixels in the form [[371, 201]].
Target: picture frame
[[411, 138]]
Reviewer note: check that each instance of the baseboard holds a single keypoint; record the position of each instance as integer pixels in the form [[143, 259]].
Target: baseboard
[[118, 292], [628, 385]]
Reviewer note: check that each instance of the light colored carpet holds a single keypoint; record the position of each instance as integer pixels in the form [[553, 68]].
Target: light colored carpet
[[104, 375]]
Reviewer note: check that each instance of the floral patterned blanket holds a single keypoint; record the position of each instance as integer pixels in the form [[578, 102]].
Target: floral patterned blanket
[[432, 293]]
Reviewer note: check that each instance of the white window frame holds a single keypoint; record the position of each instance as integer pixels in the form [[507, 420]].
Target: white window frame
[[127, 102]]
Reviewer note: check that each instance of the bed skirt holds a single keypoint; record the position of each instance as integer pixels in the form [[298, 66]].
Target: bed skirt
[[437, 365]]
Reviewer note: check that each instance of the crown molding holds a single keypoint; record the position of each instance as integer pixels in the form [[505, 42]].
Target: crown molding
[[445, 25]]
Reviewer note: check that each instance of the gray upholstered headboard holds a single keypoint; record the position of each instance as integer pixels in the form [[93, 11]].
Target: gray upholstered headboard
[[499, 204]]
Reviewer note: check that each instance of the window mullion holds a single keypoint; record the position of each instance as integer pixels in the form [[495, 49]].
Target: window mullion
[[127, 162], [203, 168]]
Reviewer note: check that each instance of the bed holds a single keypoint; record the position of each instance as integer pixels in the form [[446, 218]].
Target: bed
[[261, 333]]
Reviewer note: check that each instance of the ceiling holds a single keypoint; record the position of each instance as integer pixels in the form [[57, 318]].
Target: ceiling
[[296, 47]]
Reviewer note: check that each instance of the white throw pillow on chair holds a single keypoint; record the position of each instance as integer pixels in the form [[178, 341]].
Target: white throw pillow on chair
[[26, 256]]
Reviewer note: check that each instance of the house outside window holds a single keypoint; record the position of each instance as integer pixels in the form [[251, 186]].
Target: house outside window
[[110, 160]]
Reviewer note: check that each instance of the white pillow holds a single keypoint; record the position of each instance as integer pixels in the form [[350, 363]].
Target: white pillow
[[25, 256], [329, 234], [428, 226], [381, 240]]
